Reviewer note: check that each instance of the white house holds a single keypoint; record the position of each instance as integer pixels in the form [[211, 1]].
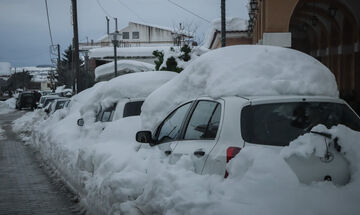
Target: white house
[[141, 34]]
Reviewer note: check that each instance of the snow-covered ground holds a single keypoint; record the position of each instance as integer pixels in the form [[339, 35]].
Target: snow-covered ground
[[116, 175]]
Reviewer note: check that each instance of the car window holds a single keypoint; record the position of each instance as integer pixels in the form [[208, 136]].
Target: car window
[[280, 123], [107, 114], [132, 108], [204, 121], [170, 128], [47, 101]]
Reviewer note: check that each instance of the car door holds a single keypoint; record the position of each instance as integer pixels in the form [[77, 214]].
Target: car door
[[170, 129], [199, 134]]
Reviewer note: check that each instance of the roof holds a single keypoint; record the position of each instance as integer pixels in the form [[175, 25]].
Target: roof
[[151, 25], [233, 24], [126, 52]]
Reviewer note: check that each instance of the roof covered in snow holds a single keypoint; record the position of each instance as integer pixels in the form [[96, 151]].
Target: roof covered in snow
[[126, 52], [243, 70], [5, 68], [151, 25], [232, 24], [123, 66]]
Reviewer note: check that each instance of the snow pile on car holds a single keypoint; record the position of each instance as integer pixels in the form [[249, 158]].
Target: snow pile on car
[[135, 85], [244, 70], [123, 67]]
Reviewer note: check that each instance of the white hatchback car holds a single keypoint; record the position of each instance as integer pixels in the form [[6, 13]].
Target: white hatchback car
[[213, 131]]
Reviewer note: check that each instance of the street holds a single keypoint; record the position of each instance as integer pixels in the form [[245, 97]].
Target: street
[[25, 188]]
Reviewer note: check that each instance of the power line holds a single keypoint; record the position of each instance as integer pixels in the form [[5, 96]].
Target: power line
[[189, 11], [131, 10], [103, 9], [48, 20]]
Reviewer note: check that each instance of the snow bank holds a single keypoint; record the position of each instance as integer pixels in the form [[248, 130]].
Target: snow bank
[[126, 52], [7, 106], [232, 24], [245, 70], [5, 68], [123, 67]]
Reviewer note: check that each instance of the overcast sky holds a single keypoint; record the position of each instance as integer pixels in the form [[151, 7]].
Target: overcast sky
[[25, 37]]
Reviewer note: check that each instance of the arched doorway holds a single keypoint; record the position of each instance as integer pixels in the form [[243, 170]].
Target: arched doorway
[[329, 30]]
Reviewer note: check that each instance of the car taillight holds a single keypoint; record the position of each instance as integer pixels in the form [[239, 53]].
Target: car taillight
[[231, 152]]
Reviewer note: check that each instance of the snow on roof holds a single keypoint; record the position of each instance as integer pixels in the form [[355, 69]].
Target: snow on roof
[[126, 52], [151, 25], [134, 85], [5, 68], [128, 65], [232, 24], [243, 70]]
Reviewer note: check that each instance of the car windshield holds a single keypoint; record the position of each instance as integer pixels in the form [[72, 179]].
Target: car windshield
[[132, 108], [47, 101], [280, 123], [60, 104]]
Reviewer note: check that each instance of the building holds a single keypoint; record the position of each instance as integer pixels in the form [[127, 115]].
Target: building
[[138, 34], [328, 30], [236, 33]]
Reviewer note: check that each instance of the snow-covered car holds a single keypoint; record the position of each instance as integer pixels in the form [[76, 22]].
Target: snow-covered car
[[215, 130], [124, 108], [260, 96], [45, 100], [122, 97], [58, 103]]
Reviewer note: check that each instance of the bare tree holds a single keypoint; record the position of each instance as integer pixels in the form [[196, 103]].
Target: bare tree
[[186, 33]]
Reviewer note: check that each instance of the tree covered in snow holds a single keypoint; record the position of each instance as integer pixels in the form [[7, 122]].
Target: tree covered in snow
[[174, 60]]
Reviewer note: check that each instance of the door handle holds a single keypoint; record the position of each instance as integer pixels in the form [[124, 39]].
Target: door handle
[[199, 153], [167, 152]]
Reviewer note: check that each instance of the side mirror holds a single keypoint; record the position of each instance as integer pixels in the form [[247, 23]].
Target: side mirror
[[80, 122], [47, 110], [144, 137]]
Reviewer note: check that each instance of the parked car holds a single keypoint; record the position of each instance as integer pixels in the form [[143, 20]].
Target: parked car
[[58, 103], [121, 97], [45, 100], [124, 108], [215, 130], [27, 99]]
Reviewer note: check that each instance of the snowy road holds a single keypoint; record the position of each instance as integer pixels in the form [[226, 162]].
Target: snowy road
[[24, 186]]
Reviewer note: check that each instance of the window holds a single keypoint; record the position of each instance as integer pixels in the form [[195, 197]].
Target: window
[[135, 35], [125, 35], [170, 128], [204, 121], [132, 108], [280, 123], [106, 115]]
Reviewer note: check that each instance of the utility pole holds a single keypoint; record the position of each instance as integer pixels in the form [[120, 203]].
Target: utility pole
[[76, 46], [107, 25], [223, 24], [58, 60]]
